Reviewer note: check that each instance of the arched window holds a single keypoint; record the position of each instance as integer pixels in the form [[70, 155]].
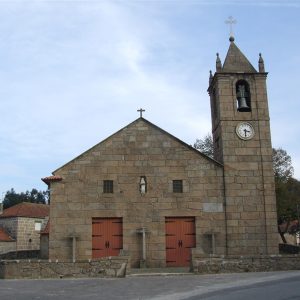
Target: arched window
[[243, 96]]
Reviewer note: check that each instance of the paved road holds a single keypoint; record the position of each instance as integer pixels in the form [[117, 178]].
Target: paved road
[[254, 286]]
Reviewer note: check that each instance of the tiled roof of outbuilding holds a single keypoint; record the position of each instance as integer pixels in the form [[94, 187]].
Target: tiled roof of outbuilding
[[4, 236], [27, 209]]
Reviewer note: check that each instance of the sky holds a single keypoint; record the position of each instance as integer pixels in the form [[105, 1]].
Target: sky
[[73, 72]]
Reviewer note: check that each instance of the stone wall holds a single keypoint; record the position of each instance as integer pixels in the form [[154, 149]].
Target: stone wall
[[27, 237], [7, 247], [238, 264], [106, 267]]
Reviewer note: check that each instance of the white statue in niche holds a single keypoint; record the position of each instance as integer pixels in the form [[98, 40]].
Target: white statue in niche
[[143, 185]]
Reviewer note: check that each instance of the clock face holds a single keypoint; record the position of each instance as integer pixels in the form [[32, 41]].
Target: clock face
[[245, 131]]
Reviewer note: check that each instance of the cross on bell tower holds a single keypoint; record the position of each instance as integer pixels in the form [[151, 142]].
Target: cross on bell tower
[[230, 21]]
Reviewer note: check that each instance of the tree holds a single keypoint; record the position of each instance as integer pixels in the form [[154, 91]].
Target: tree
[[282, 165], [287, 188], [288, 199], [206, 145], [12, 198]]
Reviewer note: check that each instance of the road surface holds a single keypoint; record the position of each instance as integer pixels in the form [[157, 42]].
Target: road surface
[[254, 286]]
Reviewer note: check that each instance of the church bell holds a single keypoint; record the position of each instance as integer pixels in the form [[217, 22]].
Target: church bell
[[242, 105], [241, 97]]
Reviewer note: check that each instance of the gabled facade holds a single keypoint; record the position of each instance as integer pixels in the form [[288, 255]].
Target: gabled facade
[[145, 193], [182, 187]]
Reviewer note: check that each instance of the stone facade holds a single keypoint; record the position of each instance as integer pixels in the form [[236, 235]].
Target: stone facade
[[232, 201], [140, 149]]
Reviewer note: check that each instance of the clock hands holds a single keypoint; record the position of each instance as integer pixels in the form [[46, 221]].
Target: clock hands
[[246, 131]]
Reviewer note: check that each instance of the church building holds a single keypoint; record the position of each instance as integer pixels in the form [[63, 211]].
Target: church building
[[144, 192]]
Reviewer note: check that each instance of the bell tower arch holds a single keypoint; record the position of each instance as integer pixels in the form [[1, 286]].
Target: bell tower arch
[[242, 143]]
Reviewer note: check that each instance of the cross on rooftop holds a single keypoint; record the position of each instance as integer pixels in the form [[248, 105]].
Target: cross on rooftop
[[230, 22], [141, 112]]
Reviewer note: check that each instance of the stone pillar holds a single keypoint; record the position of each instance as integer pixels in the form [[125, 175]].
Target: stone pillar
[[143, 231]]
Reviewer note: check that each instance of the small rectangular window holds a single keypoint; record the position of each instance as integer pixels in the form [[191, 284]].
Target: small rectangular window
[[37, 225], [177, 186], [108, 186]]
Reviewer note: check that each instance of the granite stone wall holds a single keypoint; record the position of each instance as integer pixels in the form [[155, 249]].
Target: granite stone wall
[[237, 264], [106, 267], [27, 237]]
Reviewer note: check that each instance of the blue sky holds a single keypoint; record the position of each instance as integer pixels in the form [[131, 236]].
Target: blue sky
[[74, 72]]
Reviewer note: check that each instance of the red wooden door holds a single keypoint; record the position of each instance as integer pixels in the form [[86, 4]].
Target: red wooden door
[[180, 238], [107, 237]]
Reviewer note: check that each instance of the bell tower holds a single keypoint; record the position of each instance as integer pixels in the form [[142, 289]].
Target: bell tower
[[242, 143]]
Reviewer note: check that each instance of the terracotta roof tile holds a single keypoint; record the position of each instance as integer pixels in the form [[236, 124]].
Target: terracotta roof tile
[[27, 209], [4, 236], [50, 179]]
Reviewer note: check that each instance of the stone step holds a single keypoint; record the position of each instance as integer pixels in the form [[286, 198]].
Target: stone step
[[158, 272]]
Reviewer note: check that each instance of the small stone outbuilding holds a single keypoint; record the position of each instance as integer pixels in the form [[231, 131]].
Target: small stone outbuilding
[[23, 223]]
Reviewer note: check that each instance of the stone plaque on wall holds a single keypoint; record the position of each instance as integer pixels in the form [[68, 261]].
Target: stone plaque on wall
[[212, 207]]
